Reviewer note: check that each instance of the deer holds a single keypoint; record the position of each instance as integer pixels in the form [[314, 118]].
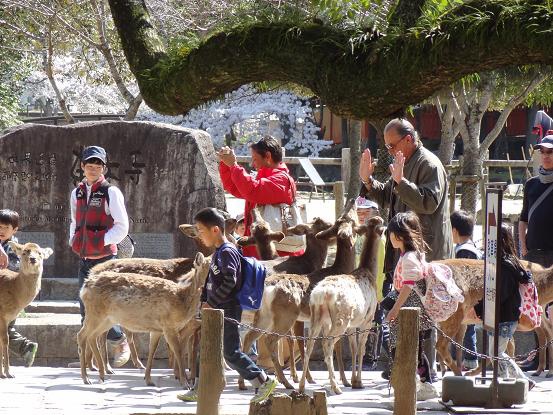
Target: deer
[[141, 304], [340, 304], [469, 277], [313, 258], [169, 269], [286, 296], [17, 290]]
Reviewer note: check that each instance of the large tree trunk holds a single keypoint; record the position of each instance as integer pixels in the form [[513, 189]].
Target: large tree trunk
[[355, 79], [354, 134]]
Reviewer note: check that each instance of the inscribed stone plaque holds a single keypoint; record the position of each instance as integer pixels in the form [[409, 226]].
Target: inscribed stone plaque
[[43, 239], [166, 174], [153, 245]]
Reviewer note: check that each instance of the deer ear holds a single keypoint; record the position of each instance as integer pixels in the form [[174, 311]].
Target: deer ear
[[46, 252], [328, 233], [198, 260], [230, 225], [300, 229], [276, 236], [189, 230], [246, 241], [18, 249]]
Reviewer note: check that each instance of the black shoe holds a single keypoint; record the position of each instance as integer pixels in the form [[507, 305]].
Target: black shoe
[[386, 374], [530, 366]]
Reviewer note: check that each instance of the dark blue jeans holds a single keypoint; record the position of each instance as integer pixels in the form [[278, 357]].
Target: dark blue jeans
[[234, 356], [85, 265]]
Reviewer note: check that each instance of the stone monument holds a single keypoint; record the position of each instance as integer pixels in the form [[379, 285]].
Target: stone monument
[[166, 173]]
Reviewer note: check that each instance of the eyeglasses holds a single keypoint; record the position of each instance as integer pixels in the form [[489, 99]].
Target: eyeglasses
[[546, 151], [392, 146]]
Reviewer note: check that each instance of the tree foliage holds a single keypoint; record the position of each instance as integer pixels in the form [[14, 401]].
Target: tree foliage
[[358, 72]]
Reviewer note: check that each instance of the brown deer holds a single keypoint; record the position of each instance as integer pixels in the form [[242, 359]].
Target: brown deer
[[286, 297], [342, 303], [17, 290], [469, 276], [141, 304]]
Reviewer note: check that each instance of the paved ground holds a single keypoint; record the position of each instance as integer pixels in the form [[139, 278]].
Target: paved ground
[[60, 391]]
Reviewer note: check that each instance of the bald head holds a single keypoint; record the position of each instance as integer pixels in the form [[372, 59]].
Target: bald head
[[400, 135], [402, 127]]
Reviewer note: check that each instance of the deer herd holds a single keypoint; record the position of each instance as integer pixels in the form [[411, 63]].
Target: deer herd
[[161, 297]]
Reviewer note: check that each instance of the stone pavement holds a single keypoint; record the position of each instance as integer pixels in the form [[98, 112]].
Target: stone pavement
[[60, 391]]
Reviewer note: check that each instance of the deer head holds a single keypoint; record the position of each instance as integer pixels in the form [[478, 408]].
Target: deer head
[[31, 255]]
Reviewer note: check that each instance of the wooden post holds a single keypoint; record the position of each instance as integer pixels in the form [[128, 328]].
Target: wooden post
[[483, 182], [452, 195], [212, 372], [319, 400], [339, 198], [510, 170], [346, 161], [405, 363]]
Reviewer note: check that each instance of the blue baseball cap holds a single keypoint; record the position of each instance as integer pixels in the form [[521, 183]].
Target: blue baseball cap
[[94, 152], [546, 142]]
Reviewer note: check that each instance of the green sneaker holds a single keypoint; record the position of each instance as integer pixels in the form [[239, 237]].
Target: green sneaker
[[265, 390], [190, 396], [29, 354]]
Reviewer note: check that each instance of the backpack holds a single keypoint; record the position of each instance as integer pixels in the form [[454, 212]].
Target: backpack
[[471, 247], [442, 293], [125, 248], [530, 309], [250, 293]]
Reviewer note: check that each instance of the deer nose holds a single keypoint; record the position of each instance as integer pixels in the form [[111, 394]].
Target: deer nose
[[32, 260]]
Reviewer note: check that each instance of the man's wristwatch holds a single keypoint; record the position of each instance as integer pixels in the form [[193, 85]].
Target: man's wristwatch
[[369, 181]]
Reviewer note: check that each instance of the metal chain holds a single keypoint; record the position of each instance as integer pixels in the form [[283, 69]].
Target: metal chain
[[369, 330], [292, 337], [481, 355]]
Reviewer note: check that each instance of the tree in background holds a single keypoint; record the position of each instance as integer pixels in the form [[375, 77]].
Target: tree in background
[[462, 106], [247, 114]]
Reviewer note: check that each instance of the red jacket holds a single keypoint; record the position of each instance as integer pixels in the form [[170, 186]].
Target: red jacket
[[92, 222], [270, 187]]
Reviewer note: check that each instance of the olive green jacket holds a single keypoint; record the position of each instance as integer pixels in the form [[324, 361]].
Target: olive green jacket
[[423, 190]]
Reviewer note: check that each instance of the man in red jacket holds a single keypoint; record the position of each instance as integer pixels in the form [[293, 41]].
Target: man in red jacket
[[272, 185]]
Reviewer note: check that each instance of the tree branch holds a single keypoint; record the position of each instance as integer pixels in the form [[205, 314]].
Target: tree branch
[[509, 107], [477, 36]]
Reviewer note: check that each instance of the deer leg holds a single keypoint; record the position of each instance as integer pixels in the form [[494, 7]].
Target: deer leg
[[357, 381], [103, 341], [282, 326], [459, 338], [313, 332], [154, 342], [542, 338], [292, 358], [4, 351], [450, 327], [175, 346], [548, 329], [340, 361], [298, 332], [84, 350], [134, 351], [338, 328], [301, 346]]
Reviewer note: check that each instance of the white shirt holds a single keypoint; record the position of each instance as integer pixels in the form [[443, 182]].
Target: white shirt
[[116, 210]]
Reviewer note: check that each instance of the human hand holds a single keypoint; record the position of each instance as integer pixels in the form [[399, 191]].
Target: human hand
[[396, 169], [392, 315], [227, 156], [3, 258], [366, 165]]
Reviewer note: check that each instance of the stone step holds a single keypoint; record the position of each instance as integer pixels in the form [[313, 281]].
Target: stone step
[[53, 307], [59, 289], [56, 335]]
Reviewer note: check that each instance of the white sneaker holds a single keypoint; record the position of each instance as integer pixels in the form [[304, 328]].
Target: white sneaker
[[119, 351]]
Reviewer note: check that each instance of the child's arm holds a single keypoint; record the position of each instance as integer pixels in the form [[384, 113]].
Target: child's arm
[[403, 294], [230, 266]]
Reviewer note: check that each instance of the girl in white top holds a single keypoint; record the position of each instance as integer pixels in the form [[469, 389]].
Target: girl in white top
[[406, 235]]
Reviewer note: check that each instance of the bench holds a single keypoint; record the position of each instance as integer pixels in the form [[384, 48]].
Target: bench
[[313, 179]]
